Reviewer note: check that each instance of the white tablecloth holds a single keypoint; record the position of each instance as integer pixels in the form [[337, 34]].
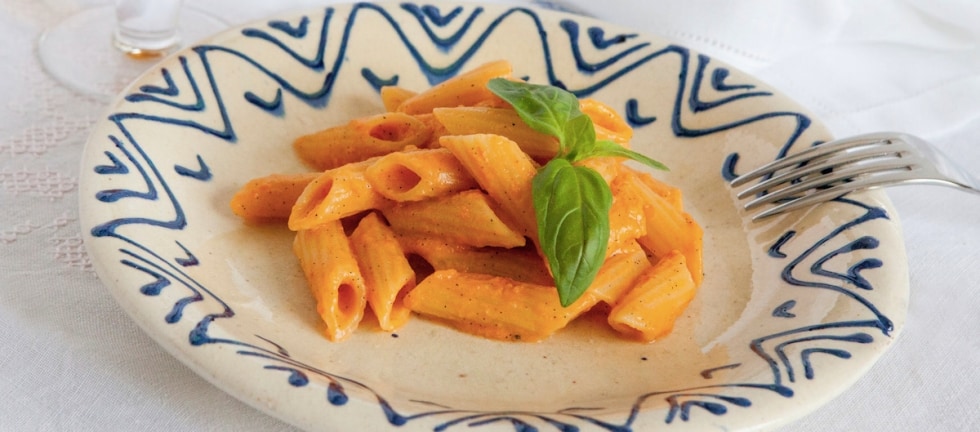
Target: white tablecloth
[[72, 360]]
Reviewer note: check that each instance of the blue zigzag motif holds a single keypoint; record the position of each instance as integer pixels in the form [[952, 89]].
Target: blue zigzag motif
[[299, 32], [429, 13], [718, 83], [117, 166], [783, 310], [208, 114], [151, 93], [113, 195], [596, 35], [376, 81], [273, 106], [633, 116], [789, 272], [202, 172]]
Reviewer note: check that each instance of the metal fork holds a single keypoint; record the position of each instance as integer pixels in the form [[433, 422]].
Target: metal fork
[[835, 168]]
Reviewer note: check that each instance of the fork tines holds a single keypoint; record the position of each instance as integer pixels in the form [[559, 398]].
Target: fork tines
[[824, 172]]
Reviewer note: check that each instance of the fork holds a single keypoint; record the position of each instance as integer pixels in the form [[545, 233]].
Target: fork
[[835, 168]]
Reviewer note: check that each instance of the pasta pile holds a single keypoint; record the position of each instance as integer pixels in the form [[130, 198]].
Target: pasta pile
[[427, 208]]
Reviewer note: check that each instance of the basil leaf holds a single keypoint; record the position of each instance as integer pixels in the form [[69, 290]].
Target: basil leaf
[[545, 109], [572, 205], [579, 138], [609, 148]]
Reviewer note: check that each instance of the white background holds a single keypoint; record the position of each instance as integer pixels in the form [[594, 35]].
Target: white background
[[72, 360]]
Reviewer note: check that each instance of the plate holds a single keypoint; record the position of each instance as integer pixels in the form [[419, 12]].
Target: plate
[[793, 310]]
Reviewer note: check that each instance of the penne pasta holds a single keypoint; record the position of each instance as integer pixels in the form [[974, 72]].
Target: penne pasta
[[506, 309], [429, 207], [466, 89], [387, 275], [497, 121], [333, 276], [490, 306], [670, 193], [520, 264], [503, 170], [417, 175], [615, 277], [626, 217], [361, 139], [393, 96], [469, 218], [617, 274], [607, 167], [667, 228], [335, 194], [493, 102], [609, 125], [662, 292], [269, 198], [436, 129]]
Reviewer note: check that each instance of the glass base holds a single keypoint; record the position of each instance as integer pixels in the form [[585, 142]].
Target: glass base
[[80, 53]]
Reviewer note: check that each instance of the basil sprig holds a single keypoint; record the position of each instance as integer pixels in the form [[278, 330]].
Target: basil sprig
[[571, 202]]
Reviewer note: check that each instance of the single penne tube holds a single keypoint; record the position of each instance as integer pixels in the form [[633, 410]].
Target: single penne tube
[[614, 278], [469, 217], [607, 166], [361, 139], [436, 129], [419, 174], [270, 198], [335, 194], [503, 170], [498, 121], [333, 276], [617, 274], [661, 294], [672, 194], [626, 217], [609, 125], [388, 277], [426, 245], [667, 227], [520, 264], [466, 89], [393, 96], [493, 102], [489, 306]]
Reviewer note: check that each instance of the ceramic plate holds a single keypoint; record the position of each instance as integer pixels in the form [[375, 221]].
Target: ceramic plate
[[793, 310]]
